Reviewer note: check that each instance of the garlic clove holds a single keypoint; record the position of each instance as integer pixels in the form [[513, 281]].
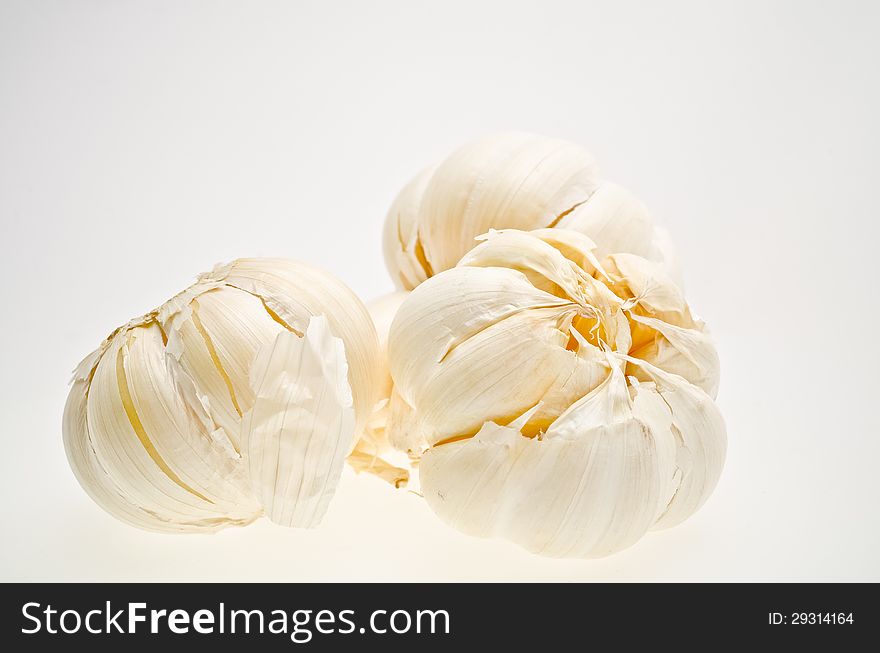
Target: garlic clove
[[510, 180], [650, 287], [217, 335], [99, 485], [497, 373], [489, 320], [545, 266], [401, 243], [701, 442], [587, 496], [142, 462], [588, 370], [301, 426], [668, 335], [689, 353], [574, 246], [204, 459], [438, 316], [542, 264], [614, 219]]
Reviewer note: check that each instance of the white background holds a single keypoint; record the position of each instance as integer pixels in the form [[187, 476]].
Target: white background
[[142, 142]]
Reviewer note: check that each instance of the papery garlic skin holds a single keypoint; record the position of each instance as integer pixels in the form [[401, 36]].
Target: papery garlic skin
[[240, 396], [559, 401], [511, 180]]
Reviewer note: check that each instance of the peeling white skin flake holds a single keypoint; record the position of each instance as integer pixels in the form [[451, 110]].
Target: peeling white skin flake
[[555, 398], [512, 180], [239, 397]]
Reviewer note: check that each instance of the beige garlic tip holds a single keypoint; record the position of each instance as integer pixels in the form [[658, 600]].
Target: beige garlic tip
[[560, 401], [239, 397], [518, 181]]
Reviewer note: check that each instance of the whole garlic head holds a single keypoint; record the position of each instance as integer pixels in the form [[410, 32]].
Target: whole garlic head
[[558, 401], [240, 396], [511, 180]]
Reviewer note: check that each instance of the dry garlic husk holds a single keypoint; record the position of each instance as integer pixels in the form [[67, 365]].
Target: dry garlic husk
[[511, 180], [559, 401], [239, 397]]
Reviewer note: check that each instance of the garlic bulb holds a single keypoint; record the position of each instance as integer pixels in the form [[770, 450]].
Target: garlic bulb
[[240, 396], [511, 180], [558, 401]]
